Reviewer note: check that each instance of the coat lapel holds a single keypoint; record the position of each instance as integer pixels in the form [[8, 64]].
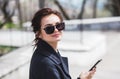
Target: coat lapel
[[65, 65], [48, 51]]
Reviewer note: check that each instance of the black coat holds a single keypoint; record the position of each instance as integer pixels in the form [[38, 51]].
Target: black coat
[[47, 64]]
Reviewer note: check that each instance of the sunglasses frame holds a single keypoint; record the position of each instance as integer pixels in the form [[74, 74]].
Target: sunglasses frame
[[51, 28]]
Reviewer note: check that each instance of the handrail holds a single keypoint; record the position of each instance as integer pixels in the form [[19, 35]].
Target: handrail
[[92, 21]]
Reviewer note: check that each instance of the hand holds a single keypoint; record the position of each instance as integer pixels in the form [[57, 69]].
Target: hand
[[88, 75]]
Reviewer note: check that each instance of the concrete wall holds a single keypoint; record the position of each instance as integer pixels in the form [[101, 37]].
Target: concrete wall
[[19, 73], [15, 65]]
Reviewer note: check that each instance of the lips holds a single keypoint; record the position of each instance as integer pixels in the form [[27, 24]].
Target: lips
[[55, 35]]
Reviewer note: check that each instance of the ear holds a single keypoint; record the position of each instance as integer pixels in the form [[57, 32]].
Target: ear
[[38, 35]]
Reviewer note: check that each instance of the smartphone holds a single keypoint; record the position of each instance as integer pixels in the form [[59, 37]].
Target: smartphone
[[95, 64]]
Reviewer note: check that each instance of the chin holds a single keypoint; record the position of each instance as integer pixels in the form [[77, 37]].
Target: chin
[[57, 39]]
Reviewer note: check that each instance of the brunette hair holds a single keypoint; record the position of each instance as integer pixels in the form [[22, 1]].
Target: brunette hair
[[36, 21]]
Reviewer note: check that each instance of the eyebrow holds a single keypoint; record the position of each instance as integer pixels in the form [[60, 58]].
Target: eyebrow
[[48, 24], [52, 24]]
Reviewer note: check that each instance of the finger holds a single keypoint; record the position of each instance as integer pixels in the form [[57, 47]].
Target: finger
[[85, 75], [94, 68]]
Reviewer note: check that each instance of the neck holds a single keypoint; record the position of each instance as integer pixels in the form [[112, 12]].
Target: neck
[[54, 45]]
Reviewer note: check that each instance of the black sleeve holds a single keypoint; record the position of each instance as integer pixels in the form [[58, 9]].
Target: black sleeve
[[52, 73], [78, 77], [44, 71]]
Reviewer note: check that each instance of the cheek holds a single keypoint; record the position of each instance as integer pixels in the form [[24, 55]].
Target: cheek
[[43, 35], [61, 32]]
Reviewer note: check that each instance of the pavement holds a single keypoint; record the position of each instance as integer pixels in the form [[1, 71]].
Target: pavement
[[109, 68], [82, 59]]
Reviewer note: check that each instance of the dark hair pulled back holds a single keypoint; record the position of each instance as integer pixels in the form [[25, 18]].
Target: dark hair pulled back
[[36, 21]]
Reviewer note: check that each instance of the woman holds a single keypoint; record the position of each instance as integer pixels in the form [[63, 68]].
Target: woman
[[46, 62]]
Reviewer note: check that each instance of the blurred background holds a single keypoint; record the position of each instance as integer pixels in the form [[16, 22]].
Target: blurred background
[[92, 33]]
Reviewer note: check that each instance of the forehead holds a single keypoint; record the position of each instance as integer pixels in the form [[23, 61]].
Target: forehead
[[50, 19]]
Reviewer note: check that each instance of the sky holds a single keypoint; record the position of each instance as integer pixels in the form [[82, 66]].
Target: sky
[[77, 3]]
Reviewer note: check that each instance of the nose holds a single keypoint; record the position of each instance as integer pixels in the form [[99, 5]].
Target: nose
[[56, 30]]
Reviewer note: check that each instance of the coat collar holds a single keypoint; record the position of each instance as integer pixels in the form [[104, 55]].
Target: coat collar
[[45, 49], [48, 51]]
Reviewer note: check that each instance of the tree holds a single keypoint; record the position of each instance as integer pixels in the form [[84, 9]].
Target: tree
[[95, 8], [19, 11], [62, 9], [7, 13], [114, 7], [80, 16], [41, 3]]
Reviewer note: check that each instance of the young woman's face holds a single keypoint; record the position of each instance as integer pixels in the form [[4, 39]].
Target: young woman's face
[[48, 21]]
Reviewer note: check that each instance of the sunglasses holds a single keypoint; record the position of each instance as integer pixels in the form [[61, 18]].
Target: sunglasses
[[51, 28]]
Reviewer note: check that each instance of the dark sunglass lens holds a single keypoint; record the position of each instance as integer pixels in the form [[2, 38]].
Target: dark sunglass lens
[[49, 29], [60, 26]]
